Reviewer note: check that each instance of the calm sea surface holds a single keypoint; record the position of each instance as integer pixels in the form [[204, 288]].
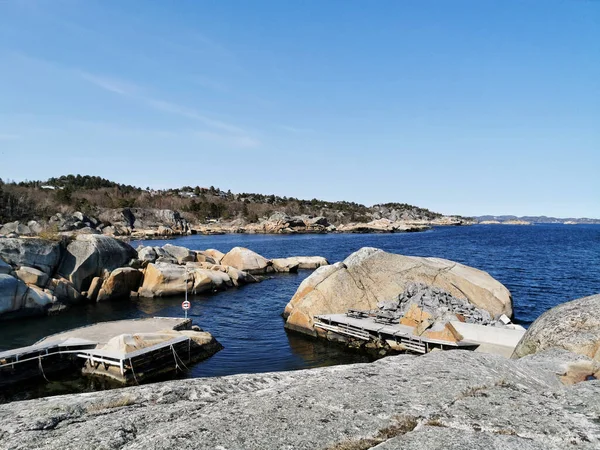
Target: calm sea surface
[[542, 266]]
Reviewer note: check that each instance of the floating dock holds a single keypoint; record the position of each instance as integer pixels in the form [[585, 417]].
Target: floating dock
[[41, 360], [80, 350], [376, 326], [102, 332]]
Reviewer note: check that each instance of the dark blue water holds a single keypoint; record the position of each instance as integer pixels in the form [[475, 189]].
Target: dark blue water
[[542, 265]]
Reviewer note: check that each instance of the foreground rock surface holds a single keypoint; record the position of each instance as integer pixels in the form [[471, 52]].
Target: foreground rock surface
[[573, 326], [453, 400], [370, 276]]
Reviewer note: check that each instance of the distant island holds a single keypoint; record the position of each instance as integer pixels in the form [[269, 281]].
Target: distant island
[[534, 219]]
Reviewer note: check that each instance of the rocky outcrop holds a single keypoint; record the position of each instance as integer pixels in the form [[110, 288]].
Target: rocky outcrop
[[381, 226], [245, 259], [454, 400], [573, 326], [32, 276], [304, 262], [16, 228], [119, 284], [166, 279], [38, 253], [147, 254], [89, 256], [285, 265], [181, 254], [216, 255], [370, 276], [100, 268], [17, 299]]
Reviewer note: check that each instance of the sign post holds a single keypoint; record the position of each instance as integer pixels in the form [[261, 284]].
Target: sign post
[[186, 305]]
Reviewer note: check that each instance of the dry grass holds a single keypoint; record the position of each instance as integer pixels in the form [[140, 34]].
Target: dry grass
[[401, 425], [435, 422], [116, 403]]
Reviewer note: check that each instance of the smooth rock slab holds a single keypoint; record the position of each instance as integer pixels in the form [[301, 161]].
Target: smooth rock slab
[[477, 400], [573, 326], [371, 276]]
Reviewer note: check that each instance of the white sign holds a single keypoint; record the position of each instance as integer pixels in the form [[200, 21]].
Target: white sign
[[186, 305]]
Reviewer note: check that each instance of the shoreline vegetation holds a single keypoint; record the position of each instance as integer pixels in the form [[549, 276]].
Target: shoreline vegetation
[[75, 204]]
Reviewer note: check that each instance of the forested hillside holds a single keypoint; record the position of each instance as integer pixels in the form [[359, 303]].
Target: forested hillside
[[41, 199]]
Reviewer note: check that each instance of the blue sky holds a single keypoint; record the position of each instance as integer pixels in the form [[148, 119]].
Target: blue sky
[[467, 107]]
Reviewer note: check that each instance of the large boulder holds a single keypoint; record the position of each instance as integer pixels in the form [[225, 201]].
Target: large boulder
[[303, 262], [64, 290], [216, 255], [285, 265], [370, 276], [11, 293], [29, 275], [5, 268], [90, 255], [17, 228], [119, 284], [245, 259], [147, 254], [165, 279], [18, 299], [39, 253], [573, 326], [181, 254]]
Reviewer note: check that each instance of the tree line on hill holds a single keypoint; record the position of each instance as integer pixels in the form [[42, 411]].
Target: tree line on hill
[[28, 200]]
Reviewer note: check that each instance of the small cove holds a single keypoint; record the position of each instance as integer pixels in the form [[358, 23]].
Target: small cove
[[542, 265]]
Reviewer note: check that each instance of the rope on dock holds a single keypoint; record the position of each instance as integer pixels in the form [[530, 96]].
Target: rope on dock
[[133, 372], [42, 368], [176, 356]]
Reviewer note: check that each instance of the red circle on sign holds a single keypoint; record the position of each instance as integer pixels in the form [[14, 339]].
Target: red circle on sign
[[186, 305]]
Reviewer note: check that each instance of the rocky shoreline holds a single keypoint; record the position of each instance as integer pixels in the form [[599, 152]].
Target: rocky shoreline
[[39, 277], [546, 397], [140, 223]]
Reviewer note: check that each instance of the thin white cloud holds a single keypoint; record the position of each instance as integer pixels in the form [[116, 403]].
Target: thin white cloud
[[296, 130], [135, 91], [231, 133], [228, 140], [110, 84], [9, 137], [190, 113]]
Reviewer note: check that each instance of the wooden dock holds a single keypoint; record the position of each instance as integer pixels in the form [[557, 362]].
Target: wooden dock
[[43, 361], [400, 337], [73, 349], [130, 368]]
